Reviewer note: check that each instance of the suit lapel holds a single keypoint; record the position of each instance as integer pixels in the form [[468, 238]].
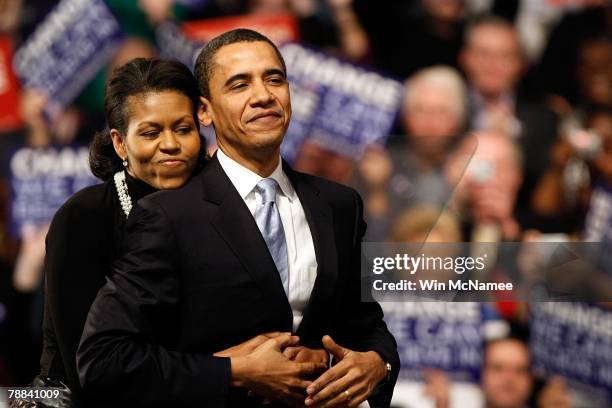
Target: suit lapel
[[236, 225], [320, 220]]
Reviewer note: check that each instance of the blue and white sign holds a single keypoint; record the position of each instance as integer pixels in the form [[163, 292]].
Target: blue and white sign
[[76, 39], [349, 106], [598, 223], [443, 335], [574, 340], [172, 44], [42, 179]]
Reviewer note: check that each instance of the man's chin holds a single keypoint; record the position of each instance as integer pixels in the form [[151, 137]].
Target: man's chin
[[268, 141]]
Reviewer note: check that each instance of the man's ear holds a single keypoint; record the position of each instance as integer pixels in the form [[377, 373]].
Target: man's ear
[[205, 112], [118, 144]]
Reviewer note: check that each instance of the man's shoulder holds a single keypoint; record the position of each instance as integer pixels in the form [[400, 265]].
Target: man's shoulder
[[331, 191]]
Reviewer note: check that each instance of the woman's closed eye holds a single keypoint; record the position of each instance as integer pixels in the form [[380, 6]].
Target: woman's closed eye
[[150, 133], [183, 130]]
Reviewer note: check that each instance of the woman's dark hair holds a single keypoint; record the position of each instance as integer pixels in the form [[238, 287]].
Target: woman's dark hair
[[138, 76]]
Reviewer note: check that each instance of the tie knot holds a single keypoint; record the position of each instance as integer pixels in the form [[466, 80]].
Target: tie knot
[[267, 188]]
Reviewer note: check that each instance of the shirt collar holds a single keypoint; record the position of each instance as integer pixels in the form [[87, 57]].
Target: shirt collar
[[478, 101], [245, 180]]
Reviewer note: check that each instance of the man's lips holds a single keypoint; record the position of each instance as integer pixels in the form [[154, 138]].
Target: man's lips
[[266, 114]]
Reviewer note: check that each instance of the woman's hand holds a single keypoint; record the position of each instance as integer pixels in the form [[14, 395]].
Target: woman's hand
[[303, 354], [247, 347]]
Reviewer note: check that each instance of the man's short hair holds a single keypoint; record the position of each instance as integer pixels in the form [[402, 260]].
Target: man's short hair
[[445, 79], [205, 62], [512, 338], [490, 20]]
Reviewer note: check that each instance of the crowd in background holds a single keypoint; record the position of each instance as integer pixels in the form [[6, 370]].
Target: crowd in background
[[504, 134]]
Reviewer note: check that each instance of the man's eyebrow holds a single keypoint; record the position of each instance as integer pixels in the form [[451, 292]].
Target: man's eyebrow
[[275, 71], [243, 76]]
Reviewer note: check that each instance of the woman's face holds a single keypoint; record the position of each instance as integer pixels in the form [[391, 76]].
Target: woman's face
[[162, 142]]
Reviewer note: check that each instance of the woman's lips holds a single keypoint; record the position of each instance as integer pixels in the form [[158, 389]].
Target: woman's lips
[[171, 162]]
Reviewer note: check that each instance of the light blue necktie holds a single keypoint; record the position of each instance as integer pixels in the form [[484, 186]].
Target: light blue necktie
[[269, 222]]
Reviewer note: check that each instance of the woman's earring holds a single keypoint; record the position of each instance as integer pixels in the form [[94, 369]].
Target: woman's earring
[[125, 163]]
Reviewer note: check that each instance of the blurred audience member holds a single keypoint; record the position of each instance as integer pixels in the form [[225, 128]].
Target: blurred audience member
[[506, 374], [428, 32], [433, 116], [328, 24], [132, 47], [39, 133], [554, 395], [487, 191], [157, 11], [579, 161], [437, 387], [352, 38], [594, 71], [493, 62], [506, 380], [10, 15], [425, 224], [556, 72], [372, 181], [319, 161], [23, 255], [598, 221]]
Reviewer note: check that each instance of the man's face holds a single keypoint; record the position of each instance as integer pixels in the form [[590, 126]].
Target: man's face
[[506, 378], [249, 101], [431, 120], [445, 10], [492, 60], [595, 72]]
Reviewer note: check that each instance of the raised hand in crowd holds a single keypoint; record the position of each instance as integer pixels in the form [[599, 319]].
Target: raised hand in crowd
[[437, 387], [157, 11], [554, 395]]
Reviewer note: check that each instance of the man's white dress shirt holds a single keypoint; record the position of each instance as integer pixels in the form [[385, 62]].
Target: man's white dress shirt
[[300, 247]]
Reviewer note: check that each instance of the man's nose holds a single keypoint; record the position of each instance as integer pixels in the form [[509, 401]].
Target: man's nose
[[261, 94]]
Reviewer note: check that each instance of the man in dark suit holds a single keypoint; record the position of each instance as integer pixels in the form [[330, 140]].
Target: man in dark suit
[[216, 275]]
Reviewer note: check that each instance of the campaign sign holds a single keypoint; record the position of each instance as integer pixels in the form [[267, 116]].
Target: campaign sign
[[443, 335], [76, 39], [574, 340], [9, 98], [173, 44], [598, 223], [42, 179], [280, 28], [305, 100], [354, 107]]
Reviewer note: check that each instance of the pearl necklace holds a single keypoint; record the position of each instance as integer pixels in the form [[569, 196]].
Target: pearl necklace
[[122, 191]]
